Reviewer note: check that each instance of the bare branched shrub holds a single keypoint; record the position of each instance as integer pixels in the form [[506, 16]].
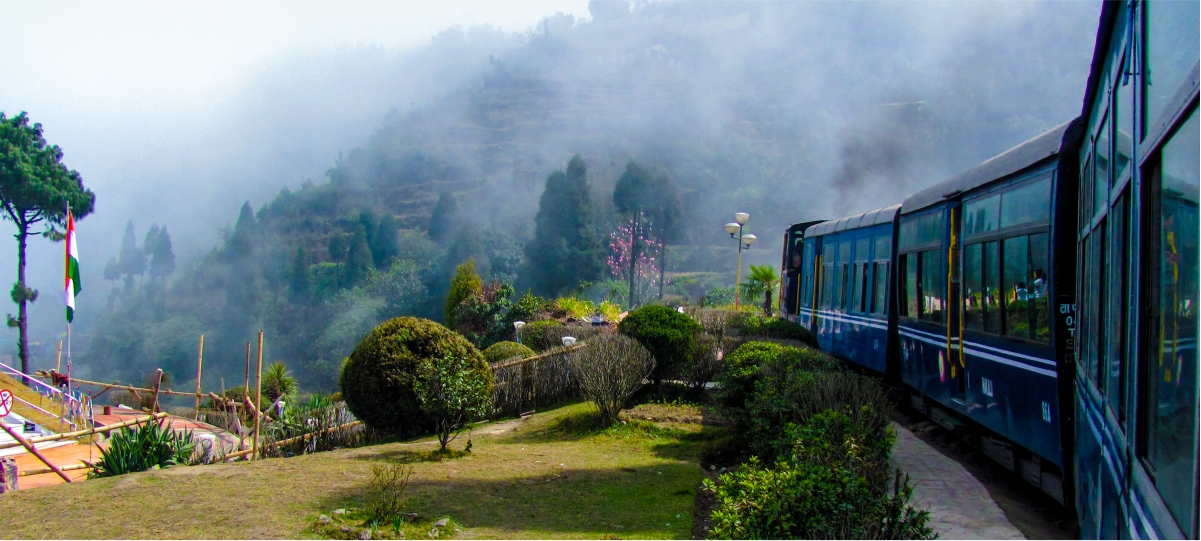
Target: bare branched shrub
[[386, 492], [609, 370]]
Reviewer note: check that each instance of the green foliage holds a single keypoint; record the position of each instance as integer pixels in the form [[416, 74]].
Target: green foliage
[[669, 335], [444, 221], [380, 378], [770, 327], [576, 308], [542, 335], [453, 390], [133, 259], [484, 318], [503, 351], [751, 362], [277, 382], [140, 448], [835, 485], [565, 249], [387, 491], [609, 311], [464, 285], [529, 308], [760, 283], [719, 296], [358, 259]]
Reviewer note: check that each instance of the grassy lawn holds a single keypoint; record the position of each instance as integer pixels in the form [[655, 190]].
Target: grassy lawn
[[554, 475]]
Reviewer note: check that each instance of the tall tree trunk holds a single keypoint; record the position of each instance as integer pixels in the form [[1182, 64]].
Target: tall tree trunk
[[22, 301], [767, 302], [633, 257]]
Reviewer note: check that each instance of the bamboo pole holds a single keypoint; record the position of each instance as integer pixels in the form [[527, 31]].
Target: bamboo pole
[[88, 431], [258, 398], [39, 471], [246, 386], [291, 440], [550, 353], [199, 373], [157, 386], [33, 451], [58, 365], [130, 388]]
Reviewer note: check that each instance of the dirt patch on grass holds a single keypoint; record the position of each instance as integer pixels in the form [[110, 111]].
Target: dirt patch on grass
[[674, 413]]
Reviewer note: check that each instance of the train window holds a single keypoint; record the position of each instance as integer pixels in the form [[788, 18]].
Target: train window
[[827, 286], [981, 215], [842, 286], [861, 247], [1030, 203], [908, 273], [1092, 290], [1123, 111], [1083, 332], [982, 280], [973, 288], [1170, 53], [883, 247], [1086, 192], [1170, 407], [933, 286], [858, 285], [1119, 311], [1024, 280], [1101, 170], [922, 230], [880, 292]]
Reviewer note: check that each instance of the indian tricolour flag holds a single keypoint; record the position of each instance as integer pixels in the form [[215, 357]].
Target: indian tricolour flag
[[72, 279]]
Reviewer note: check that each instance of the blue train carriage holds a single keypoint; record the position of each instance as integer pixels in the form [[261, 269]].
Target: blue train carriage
[[791, 275], [1136, 380], [844, 286], [986, 285]]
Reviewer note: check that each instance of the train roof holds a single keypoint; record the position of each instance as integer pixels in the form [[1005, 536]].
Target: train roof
[[863, 219], [1011, 161]]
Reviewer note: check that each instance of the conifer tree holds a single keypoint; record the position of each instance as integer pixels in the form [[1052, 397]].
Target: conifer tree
[[358, 260], [385, 245], [162, 258], [565, 249], [464, 285], [337, 247], [444, 222], [299, 283], [132, 259]]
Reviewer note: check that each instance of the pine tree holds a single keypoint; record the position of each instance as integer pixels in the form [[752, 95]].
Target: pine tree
[[565, 249], [112, 272], [162, 258], [358, 260], [132, 259], [464, 285], [444, 222], [241, 242], [385, 245]]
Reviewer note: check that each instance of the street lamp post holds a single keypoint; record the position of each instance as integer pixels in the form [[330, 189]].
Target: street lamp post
[[735, 228]]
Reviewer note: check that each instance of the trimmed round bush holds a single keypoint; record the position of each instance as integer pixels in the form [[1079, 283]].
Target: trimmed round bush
[[742, 368], [669, 335], [380, 376], [503, 351]]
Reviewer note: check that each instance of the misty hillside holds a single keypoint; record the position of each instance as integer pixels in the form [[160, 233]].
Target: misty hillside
[[789, 111]]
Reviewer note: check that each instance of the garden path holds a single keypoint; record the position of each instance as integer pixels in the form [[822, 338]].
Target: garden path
[[959, 504]]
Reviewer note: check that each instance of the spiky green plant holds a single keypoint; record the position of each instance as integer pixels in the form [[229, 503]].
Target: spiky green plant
[[762, 280], [277, 382], [134, 449]]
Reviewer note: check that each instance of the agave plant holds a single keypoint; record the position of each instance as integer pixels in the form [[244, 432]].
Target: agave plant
[[761, 281], [277, 382], [134, 449]]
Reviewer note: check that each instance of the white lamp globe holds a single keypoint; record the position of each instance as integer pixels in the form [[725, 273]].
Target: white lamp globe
[[568, 341], [748, 240], [741, 217], [731, 228]]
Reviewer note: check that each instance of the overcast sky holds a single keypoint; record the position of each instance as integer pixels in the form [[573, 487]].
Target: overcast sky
[[86, 70]]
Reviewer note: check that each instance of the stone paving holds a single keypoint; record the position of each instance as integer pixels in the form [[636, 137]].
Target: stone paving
[[960, 507]]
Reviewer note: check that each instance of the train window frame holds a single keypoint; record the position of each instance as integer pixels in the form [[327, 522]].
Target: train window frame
[[919, 233], [1148, 406], [880, 287]]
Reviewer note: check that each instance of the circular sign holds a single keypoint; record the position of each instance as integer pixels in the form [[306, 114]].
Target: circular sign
[[6, 402]]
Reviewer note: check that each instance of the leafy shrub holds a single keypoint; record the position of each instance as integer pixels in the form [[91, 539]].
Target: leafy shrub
[[380, 377], [482, 317], [785, 397], [669, 335], [542, 335], [576, 308], [453, 390], [387, 491], [706, 361], [530, 307], [140, 448], [464, 285], [609, 311], [832, 488], [771, 327], [503, 351], [718, 296], [609, 370]]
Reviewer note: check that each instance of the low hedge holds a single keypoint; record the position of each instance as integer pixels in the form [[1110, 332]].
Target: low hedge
[[542, 335], [503, 351], [736, 381], [771, 327]]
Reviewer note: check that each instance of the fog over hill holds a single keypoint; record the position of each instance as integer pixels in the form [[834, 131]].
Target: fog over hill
[[790, 111]]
